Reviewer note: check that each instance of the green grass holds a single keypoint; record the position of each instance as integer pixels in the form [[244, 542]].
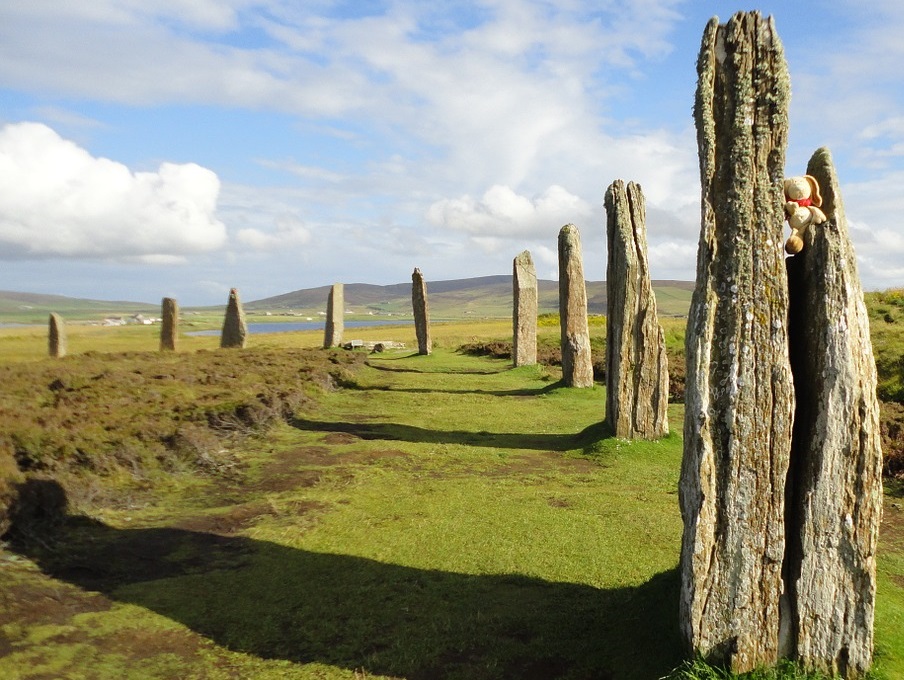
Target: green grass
[[418, 517]]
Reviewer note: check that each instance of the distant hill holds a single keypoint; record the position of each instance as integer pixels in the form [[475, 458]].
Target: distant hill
[[35, 307], [480, 297], [483, 296]]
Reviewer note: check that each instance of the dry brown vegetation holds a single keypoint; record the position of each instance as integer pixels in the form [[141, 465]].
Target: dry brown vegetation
[[124, 417]]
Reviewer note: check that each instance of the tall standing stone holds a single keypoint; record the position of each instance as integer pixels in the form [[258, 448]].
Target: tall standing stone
[[335, 317], [637, 371], [739, 400], [235, 330], [56, 336], [421, 311], [524, 312], [169, 324], [577, 365], [835, 486]]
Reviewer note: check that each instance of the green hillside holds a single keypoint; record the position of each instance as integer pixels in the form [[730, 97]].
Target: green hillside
[[485, 296], [34, 308], [480, 297]]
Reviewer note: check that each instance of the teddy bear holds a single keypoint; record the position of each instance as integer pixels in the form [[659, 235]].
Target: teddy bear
[[802, 203]]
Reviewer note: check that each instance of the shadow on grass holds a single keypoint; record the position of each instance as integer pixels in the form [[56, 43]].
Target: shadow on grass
[[429, 371], [499, 440], [524, 392], [894, 487], [277, 602]]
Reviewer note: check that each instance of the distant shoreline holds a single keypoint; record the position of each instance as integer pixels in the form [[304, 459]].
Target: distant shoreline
[[289, 326]]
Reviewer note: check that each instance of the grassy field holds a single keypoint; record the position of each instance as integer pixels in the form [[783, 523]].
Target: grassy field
[[415, 517]]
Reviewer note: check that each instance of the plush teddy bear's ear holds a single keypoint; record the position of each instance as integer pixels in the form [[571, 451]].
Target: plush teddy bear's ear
[[815, 196]]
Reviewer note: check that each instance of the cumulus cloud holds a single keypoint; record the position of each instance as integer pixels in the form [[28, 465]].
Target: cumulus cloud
[[57, 200], [289, 231], [502, 213]]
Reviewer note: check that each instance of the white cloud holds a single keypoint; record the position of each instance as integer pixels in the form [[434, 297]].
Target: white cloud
[[57, 200], [502, 213], [289, 231]]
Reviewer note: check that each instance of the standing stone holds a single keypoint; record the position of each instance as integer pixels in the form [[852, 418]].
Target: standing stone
[[739, 401], [56, 336], [835, 494], [577, 366], [235, 330], [524, 314], [637, 371], [421, 312], [169, 325], [335, 317]]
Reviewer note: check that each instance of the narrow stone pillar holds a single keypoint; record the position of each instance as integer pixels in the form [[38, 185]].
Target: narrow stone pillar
[[577, 366], [335, 317], [56, 336], [739, 400], [524, 312], [421, 312], [169, 324], [835, 484], [235, 330], [637, 370]]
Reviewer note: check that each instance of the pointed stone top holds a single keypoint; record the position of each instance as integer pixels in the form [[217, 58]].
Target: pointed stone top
[[822, 168], [524, 258]]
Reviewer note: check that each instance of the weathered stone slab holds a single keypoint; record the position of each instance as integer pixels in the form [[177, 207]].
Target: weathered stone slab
[[577, 365], [835, 485], [56, 336], [421, 312], [637, 371], [169, 324], [739, 400], [235, 330], [335, 316], [524, 312]]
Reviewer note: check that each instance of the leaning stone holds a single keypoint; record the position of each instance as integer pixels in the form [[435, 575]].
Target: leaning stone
[[524, 314], [421, 312], [169, 324], [335, 317], [637, 371], [835, 494], [235, 330], [577, 365], [56, 337], [739, 400]]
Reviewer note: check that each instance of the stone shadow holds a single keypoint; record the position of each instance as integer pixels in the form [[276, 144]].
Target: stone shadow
[[395, 369], [498, 440], [523, 392], [277, 602]]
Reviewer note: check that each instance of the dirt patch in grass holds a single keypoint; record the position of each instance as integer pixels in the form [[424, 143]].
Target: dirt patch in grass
[[544, 461], [303, 458], [558, 502], [275, 482], [244, 516], [226, 524], [41, 603], [340, 438], [306, 466], [6, 646], [891, 531], [139, 644]]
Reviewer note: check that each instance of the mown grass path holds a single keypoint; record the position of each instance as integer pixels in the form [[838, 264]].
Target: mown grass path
[[431, 517]]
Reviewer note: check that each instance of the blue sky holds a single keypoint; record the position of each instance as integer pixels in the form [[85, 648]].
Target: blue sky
[[154, 148]]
